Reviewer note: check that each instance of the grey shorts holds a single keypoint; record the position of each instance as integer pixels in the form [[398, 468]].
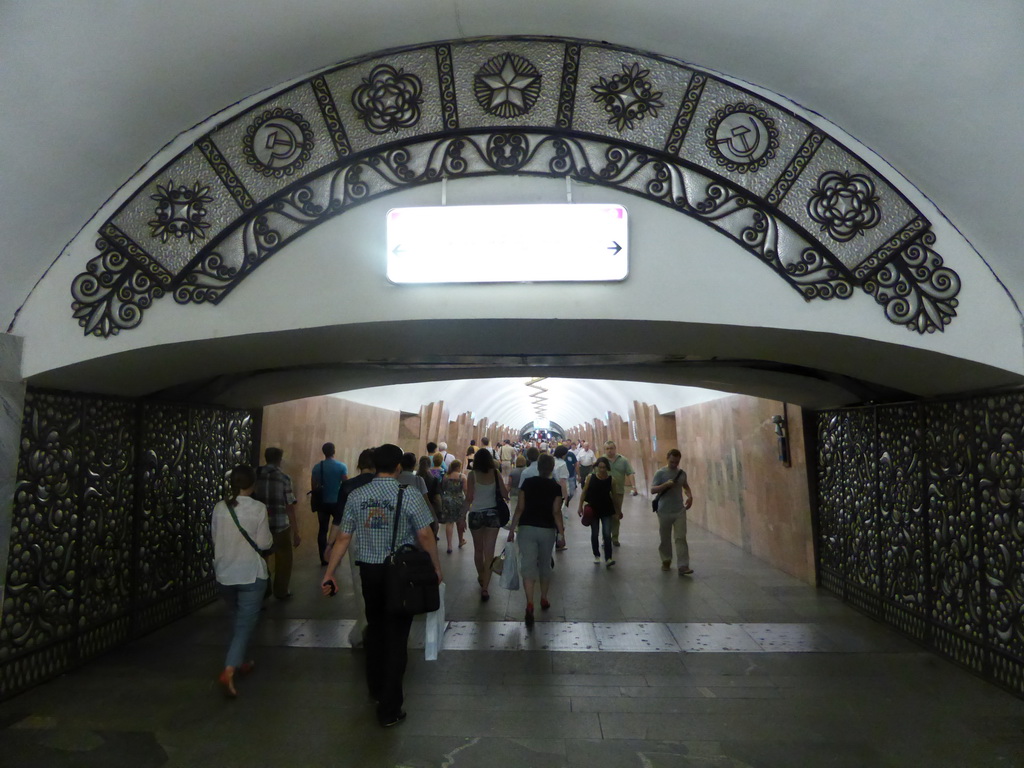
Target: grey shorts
[[482, 518]]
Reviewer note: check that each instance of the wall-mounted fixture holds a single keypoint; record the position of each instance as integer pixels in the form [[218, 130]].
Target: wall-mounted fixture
[[782, 435]]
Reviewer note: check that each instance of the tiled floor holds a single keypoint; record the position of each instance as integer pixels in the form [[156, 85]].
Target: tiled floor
[[738, 665]]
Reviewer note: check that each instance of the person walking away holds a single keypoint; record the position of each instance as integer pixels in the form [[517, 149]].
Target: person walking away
[[482, 491], [439, 469], [408, 476], [240, 529], [274, 488], [515, 477], [328, 476], [370, 514], [433, 485], [356, 635], [670, 484], [446, 457], [453, 503], [621, 471], [597, 492], [538, 522]]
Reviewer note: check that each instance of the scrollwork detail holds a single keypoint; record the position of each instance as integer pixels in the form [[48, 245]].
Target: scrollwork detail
[[916, 289], [112, 294], [817, 278]]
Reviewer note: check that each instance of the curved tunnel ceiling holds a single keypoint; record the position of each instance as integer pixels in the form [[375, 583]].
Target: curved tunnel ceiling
[[513, 401]]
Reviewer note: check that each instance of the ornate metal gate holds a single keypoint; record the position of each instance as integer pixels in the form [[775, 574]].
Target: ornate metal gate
[[110, 527], [921, 524]]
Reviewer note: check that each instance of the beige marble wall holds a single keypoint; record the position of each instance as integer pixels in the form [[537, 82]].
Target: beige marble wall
[[301, 427], [12, 406], [742, 492]]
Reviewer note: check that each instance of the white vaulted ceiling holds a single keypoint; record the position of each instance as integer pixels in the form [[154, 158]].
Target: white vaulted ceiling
[[91, 91], [568, 402]]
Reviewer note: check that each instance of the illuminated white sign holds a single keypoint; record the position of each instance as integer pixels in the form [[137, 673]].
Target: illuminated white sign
[[508, 244]]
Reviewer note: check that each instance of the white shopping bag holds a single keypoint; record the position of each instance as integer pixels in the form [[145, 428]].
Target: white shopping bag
[[510, 572], [436, 626]]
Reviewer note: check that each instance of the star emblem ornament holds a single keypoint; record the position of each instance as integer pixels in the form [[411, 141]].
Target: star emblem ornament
[[507, 86]]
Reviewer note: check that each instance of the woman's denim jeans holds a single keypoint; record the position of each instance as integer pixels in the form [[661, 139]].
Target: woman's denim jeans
[[245, 601]]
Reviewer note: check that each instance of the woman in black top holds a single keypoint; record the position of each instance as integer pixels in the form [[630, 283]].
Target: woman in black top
[[597, 492], [433, 490], [538, 521]]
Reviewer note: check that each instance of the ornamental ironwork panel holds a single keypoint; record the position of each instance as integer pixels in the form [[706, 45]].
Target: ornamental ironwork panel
[[832, 500], [218, 441], [37, 633], [110, 528], [162, 525], [206, 467], [944, 503], [861, 476], [999, 434], [108, 456], [955, 579], [903, 535], [42, 594], [795, 198]]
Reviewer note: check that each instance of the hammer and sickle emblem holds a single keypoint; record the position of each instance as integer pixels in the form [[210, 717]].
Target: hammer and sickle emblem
[[741, 139], [281, 142]]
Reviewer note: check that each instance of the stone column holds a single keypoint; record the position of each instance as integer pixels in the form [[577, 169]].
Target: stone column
[[12, 406]]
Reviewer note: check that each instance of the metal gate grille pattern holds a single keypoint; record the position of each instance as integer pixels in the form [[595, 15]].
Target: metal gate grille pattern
[[921, 524], [110, 532]]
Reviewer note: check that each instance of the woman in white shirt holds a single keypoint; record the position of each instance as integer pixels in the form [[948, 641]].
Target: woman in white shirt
[[240, 529]]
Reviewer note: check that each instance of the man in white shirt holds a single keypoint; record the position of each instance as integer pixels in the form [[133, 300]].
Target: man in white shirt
[[446, 457], [506, 455], [585, 462]]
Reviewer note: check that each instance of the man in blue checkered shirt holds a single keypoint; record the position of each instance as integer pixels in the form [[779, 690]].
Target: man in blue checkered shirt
[[370, 517]]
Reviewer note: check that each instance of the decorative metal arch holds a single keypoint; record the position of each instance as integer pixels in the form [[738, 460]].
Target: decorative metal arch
[[791, 195]]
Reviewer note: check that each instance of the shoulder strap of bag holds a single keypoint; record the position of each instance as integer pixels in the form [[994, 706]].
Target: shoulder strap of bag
[[242, 530], [675, 480], [398, 512]]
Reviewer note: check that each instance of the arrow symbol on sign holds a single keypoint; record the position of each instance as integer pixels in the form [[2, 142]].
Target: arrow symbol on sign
[[614, 247], [397, 250]]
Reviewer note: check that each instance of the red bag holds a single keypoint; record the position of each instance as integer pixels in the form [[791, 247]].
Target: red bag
[[588, 516]]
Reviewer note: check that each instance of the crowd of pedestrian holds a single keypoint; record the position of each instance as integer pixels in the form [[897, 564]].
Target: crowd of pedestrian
[[524, 487]]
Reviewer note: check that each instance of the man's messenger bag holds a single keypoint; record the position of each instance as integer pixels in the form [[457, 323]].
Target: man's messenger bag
[[411, 579]]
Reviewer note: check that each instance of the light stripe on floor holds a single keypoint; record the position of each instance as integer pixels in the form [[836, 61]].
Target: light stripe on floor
[[580, 636]]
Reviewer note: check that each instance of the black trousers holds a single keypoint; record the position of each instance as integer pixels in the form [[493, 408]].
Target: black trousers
[[386, 643], [327, 511]]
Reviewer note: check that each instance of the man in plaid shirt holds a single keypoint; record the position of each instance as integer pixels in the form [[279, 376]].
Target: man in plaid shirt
[[370, 517], [274, 488]]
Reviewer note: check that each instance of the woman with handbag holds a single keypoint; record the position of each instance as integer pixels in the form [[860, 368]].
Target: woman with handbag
[[538, 520], [241, 532], [597, 492], [486, 495]]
